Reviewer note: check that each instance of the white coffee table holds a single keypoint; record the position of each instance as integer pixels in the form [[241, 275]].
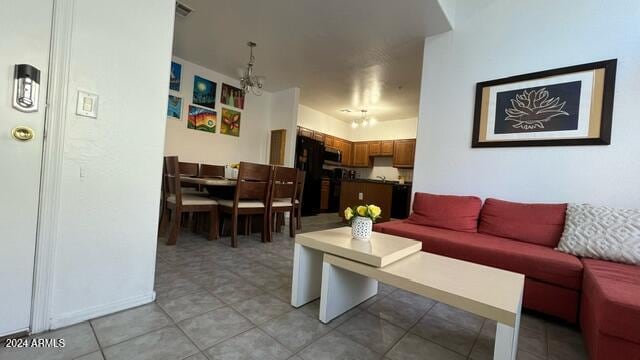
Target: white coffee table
[[345, 272], [383, 249]]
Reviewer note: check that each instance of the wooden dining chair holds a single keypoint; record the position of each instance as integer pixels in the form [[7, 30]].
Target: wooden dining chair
[[178, 203], [211, 171], [189, 169], [298, 203], [283, 195], [250, 198]]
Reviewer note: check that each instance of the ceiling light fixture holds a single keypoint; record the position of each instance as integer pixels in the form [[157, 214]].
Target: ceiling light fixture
[[363, 121], [250, 82]]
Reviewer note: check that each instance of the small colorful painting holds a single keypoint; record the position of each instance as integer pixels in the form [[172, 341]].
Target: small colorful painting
[[174, 109], [176, 72], [202, 119], [204, 92], [230, 124], [232, 96]]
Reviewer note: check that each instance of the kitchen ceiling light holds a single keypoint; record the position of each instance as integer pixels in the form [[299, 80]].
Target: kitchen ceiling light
[[363, 121], [250, 82]]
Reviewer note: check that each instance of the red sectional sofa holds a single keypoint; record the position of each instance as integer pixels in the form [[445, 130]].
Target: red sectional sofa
[[605, 296]]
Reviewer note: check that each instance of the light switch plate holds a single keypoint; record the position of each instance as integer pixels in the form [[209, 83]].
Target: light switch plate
[[87, 104]]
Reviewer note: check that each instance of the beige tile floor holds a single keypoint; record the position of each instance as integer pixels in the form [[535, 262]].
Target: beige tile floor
[[215, 302]]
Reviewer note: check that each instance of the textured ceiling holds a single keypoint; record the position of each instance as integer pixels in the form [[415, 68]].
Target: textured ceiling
[[342, 54]]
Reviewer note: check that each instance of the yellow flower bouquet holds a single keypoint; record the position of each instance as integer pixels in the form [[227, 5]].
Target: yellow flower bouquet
[[372, 212]]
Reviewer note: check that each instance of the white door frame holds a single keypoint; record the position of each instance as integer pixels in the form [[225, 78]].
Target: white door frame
[[52, 164]]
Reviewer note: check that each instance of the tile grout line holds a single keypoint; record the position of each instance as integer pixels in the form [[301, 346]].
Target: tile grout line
[[97, 341]]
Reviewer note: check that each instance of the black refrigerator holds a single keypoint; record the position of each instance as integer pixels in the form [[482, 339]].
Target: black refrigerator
[[310, 157]]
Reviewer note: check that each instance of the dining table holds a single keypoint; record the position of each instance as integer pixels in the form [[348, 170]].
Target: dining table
[[218, 187]]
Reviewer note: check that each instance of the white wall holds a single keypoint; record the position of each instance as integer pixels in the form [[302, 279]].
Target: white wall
[[386, 130], [215, 148], [499, 38], [105, 255], [284, 115], [316, 120]]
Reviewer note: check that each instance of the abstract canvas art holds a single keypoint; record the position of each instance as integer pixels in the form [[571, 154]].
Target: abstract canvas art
[[204, 92], [202, 119], [174, 108], [230, 124], [566, 106], [176, 74], [232, 96]]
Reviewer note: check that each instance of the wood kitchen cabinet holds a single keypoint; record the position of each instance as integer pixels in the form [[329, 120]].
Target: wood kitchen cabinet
[[375, 148], [329, 141], [345, 148], [305, 132], [386, 148], [404, 153], [362, 192], [361, 155], [318, 136], [324, 194]]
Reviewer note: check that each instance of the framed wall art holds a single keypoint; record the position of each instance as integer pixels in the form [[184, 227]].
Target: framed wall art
[[230, 124], [232, 96], [202, 119], [204, 92], [175, 76], [174, 108], [566, 106]]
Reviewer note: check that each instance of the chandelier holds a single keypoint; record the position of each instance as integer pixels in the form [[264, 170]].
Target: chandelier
[[250, 82], [363, 121]]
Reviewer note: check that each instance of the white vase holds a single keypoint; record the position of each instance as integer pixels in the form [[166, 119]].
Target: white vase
[[361, 228]]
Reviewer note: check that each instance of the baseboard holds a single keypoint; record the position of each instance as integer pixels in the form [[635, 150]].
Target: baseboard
[[75, 317]]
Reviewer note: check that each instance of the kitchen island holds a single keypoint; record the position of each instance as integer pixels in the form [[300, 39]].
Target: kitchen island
[[364, 191]]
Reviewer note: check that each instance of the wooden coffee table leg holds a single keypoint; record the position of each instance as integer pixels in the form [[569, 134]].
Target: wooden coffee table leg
[[307, 275], [343, 290], [506, 345]]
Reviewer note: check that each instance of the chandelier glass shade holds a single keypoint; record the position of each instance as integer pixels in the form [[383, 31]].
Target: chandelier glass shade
[[250, 82], [364, 120]]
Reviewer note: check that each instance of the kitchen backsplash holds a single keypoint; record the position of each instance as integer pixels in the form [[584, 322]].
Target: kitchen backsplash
[[383, 166]]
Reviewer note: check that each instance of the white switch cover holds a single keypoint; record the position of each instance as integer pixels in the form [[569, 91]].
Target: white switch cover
[[87, 104], [360, 196]]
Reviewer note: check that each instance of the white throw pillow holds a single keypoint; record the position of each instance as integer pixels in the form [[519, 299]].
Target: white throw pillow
[[602, 232]]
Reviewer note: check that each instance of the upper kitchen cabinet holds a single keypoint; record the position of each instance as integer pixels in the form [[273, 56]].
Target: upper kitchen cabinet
[[361, 156], [374, 148], [404, 153], [345, 148], [386, 148], [305, 132], [329, 141], [381, 148], [319, 136]]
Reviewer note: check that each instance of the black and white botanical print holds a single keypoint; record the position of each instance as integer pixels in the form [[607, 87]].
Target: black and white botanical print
[[538, 109]]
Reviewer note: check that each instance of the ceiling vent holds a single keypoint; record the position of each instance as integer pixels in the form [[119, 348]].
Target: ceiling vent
[[182, 9]]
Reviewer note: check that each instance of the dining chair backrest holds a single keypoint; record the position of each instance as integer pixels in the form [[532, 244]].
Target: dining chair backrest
[[207, 170], [172, 177], [254, 181], [284, 183], [188, 168], [300, 185]]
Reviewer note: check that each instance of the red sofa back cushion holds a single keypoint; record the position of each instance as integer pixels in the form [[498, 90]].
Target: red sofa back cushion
[[540, 224], [446, 211]]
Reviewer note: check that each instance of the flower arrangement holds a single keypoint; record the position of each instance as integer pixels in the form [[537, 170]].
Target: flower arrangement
[[367, 211]]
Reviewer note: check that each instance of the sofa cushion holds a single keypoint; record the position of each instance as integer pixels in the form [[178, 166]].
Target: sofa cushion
[[613, 290], [603, 233], [537, 262], [540, 224], [446, 211]]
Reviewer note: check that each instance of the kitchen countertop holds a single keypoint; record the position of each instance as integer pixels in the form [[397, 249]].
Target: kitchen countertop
[[377, 181]]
